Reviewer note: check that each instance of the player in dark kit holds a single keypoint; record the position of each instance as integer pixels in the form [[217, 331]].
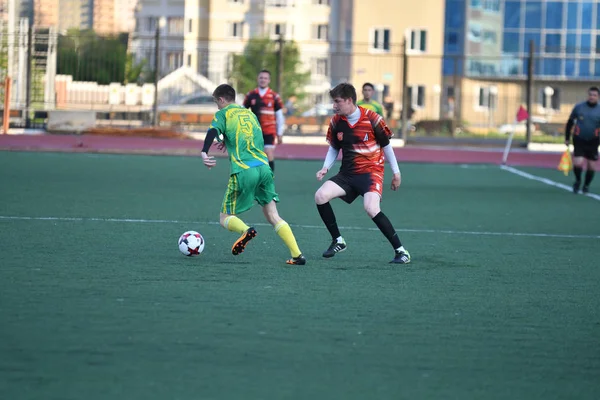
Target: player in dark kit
[[364, 138], [268, 108], [584, 121]]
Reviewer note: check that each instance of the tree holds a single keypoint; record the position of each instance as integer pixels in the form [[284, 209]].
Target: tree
[[261, 54], [88, 57]]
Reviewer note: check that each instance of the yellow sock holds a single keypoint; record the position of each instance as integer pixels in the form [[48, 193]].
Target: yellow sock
[[285, 233], [234, 224]]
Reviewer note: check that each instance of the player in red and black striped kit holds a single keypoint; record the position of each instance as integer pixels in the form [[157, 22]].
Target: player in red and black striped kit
[[268, 108], [364, 139]]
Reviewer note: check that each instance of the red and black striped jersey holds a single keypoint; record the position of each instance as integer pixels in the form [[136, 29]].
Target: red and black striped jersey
[[264, 107], [362, 143]]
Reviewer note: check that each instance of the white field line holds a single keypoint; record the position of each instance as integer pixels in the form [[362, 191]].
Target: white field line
[[546, 181], [168, 221]]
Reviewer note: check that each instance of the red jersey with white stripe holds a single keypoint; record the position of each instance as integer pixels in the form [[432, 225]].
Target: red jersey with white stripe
[[264, 107], [362, 143]]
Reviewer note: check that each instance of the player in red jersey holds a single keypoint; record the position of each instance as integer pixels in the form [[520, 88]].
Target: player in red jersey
[[364, 139], [268, 108]]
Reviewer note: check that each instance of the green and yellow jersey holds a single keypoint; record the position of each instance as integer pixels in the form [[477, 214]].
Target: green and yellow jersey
[[371, 105], [239, 129]]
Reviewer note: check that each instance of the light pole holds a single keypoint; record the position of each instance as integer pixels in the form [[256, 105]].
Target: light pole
[[548, 92], [161, 22]]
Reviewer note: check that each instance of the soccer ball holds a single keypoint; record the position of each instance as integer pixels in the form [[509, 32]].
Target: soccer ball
[[191, 243]]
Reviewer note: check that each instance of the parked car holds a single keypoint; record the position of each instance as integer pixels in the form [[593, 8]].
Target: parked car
[[194, 104], [522, 126], [319, 110]]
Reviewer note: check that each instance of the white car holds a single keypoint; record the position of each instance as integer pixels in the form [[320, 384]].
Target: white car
[[522, 126], [195, 104], [319, 110]]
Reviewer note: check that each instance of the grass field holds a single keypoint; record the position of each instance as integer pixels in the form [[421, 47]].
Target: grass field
[[502, 300]]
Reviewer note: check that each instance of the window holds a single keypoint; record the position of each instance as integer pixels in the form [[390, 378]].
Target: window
[[512, 14], [416, 95], [572, 15], [533, 14], [451, 43], [475, 32], [150, 24], [491, 6], [455, 14], [490, 37], [552, 66], [486, 97], [597, 44], [571, 43], [236, 29], [510, 44], [189, 60], [174, 60], [320, 66], [553, 43], [381, 39], [276, 29], [549, 101], [237, 1], [554, 15], [320, 32], [190, 25], [476, 3], [586, 44], [175, 25], [584, 68], [586, 15], [418, 40], [321, 2], [280, 3]]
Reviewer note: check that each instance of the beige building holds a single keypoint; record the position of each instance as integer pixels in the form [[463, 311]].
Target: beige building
[[45, 13], [370, 46], [217, 29]]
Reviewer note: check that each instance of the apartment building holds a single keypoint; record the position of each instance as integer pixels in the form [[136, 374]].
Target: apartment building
[[167, 17], [486, 57], [368, 37], [217, 29]]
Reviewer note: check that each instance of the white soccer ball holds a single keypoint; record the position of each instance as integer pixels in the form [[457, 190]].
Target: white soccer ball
[[191, 243]]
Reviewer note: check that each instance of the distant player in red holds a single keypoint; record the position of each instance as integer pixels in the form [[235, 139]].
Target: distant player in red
[[364, 139], [268, 108]]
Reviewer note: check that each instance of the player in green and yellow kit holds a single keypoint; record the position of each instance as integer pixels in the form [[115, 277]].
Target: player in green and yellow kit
[[367, 102], [251, 178]]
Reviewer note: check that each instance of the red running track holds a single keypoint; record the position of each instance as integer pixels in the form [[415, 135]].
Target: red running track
[[142, 145]]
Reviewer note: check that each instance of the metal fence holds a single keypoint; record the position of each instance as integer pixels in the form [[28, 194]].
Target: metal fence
[[149, 78]]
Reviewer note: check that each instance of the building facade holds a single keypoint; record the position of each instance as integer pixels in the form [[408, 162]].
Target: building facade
[[167, 17], [486, 57], [370, 49], [217, 29]]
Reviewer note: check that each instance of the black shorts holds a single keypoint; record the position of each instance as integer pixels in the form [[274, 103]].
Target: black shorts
[[586, 148], [269, 140], [358, 184]]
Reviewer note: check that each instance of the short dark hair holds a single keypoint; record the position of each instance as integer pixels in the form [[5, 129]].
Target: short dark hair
[[594, 89], [369, 85], [225, 91], [266, 71], [345, 91]]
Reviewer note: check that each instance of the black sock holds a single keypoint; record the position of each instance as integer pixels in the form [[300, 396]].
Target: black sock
[[328, 217], [272, 165], [577, 172], [589, 175], [385, 226]]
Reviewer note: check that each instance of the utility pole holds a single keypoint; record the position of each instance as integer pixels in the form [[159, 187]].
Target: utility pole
[[29, 66], [156, 72], [279, 83]]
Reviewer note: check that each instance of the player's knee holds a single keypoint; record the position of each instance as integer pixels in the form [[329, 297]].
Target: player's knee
[[372, 210], [321, 197]]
